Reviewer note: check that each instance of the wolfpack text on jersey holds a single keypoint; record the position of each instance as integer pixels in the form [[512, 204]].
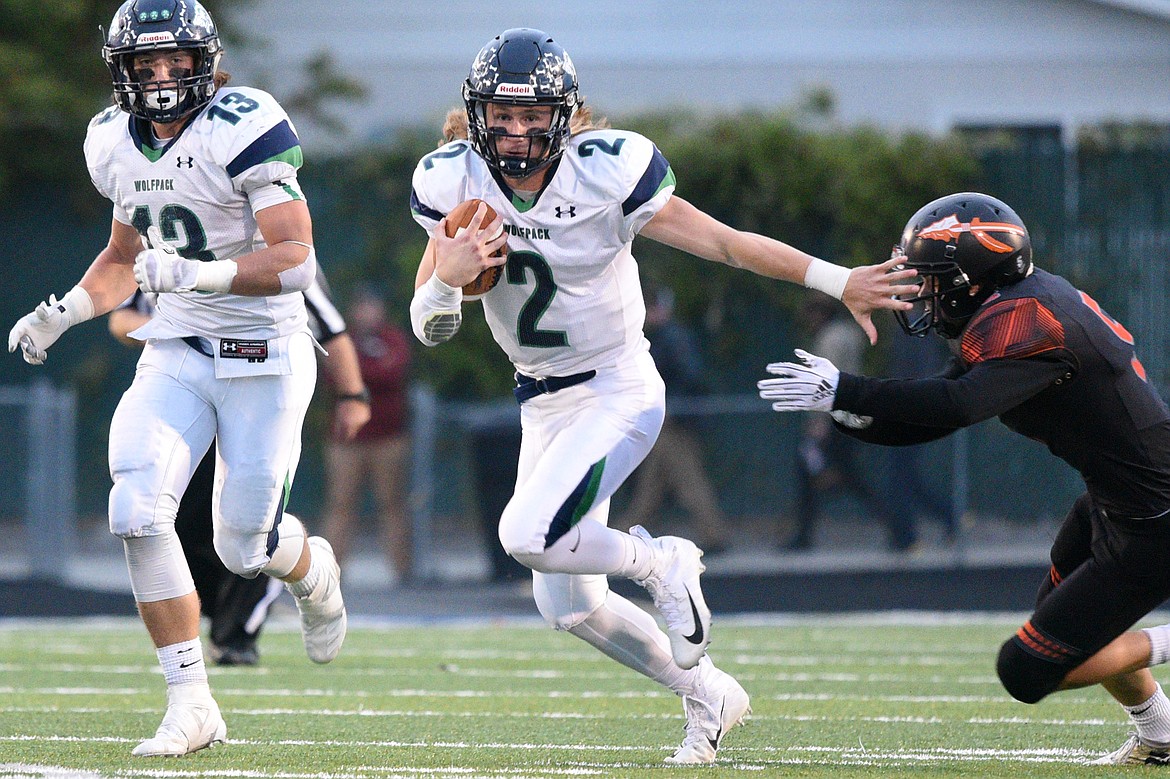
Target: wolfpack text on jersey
[[570, 300], [202, 189]]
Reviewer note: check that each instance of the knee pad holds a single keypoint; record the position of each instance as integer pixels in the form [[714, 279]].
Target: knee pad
[[1026, 677], [566, 600], [249, 553], [517, 537], [158, 569], [286, 545]]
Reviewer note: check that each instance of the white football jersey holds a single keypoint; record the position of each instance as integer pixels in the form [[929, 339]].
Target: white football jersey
[[570, 299], [238, 155]]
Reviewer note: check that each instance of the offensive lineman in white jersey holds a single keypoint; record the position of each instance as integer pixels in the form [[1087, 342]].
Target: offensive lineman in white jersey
[[568, 311], [207, 175]]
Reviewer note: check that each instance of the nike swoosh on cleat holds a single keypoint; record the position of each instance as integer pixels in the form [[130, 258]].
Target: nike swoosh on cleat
[[697, 636], [714, 742]]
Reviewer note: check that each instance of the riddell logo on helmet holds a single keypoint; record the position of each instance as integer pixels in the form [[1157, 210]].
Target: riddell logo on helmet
[[516, 90], [154, 37], [950, 228]]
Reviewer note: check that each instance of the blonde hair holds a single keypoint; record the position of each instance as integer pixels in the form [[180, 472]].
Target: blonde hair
[[220, 79], [455, 123]]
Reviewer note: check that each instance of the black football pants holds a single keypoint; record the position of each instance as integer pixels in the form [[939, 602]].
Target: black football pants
[[1107, 573]]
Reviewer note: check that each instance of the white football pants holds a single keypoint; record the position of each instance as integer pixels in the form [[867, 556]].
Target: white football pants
[[579, 445], [168, 418]]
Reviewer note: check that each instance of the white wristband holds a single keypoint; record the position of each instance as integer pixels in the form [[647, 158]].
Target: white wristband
[[78, 305], [826, 277], [215, 276]]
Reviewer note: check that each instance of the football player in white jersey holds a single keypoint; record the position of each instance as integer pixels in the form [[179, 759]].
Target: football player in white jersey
[[207, 213], [571, 195]]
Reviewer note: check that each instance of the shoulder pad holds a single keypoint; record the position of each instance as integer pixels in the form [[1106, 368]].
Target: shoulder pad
[[625, 165], [102, 135], [1011, 329], [246, 127], [440, 180]]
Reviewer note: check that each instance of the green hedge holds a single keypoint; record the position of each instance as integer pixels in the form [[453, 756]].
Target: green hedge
[[841, 193]]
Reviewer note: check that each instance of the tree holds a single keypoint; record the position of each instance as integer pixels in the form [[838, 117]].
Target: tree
[[50, 85], [52, 81]]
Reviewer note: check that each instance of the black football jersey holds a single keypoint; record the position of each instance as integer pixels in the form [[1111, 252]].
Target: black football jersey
[[1052, 365]]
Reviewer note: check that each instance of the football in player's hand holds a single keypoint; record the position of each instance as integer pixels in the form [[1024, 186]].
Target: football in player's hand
[[457, 220]]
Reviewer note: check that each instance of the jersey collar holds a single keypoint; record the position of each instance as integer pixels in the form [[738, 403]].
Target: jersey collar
[[140, 133], [521, 205]]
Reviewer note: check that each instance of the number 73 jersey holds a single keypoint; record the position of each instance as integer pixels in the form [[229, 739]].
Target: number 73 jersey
[[570, 299], [202, 189]]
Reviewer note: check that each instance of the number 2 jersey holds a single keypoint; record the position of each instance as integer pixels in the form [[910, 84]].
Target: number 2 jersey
[[202, 189], [570, 299], [1044, 358]]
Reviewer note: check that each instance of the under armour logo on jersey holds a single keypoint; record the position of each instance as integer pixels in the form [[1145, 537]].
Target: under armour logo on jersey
[[185, 162], [570, 212]]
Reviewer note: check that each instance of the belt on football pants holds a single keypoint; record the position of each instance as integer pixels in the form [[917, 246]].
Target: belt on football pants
[[199, 344], [528, 388]]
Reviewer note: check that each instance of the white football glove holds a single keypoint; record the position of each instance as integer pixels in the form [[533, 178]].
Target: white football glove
[[34, 333], [808, 387], [161, 269]]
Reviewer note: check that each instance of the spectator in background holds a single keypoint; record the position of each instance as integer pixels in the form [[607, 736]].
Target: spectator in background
[[378, 455], [674, 467], [237, 607], [351, 409], [828, 461]]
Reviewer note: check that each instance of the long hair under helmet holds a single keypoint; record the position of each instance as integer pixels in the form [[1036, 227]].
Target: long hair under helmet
[[142, 26], [521, 67]]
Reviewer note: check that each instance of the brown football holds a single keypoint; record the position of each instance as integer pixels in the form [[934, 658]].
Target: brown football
[[459, 218]]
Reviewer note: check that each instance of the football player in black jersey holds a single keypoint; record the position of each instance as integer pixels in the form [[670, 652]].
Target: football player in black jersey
[[1052, 365]]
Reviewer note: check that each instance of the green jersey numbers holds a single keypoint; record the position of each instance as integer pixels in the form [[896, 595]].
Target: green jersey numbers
[[527, 331], [170, 217]]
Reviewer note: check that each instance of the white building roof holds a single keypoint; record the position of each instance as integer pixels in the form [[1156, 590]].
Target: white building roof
[[920, 64]]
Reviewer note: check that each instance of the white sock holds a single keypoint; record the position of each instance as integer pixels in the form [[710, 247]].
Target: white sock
[[1152, 719], [1159, 644], [304, 587], [182, 663], [639, 558]]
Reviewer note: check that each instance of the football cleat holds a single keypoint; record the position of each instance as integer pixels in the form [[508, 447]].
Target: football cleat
[[1135, 752], [234, 655], [673, 584], [192, 722], [323, 618], [717, 705]]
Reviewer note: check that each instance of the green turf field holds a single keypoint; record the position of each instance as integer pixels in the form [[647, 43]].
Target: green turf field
[[831, 697]]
